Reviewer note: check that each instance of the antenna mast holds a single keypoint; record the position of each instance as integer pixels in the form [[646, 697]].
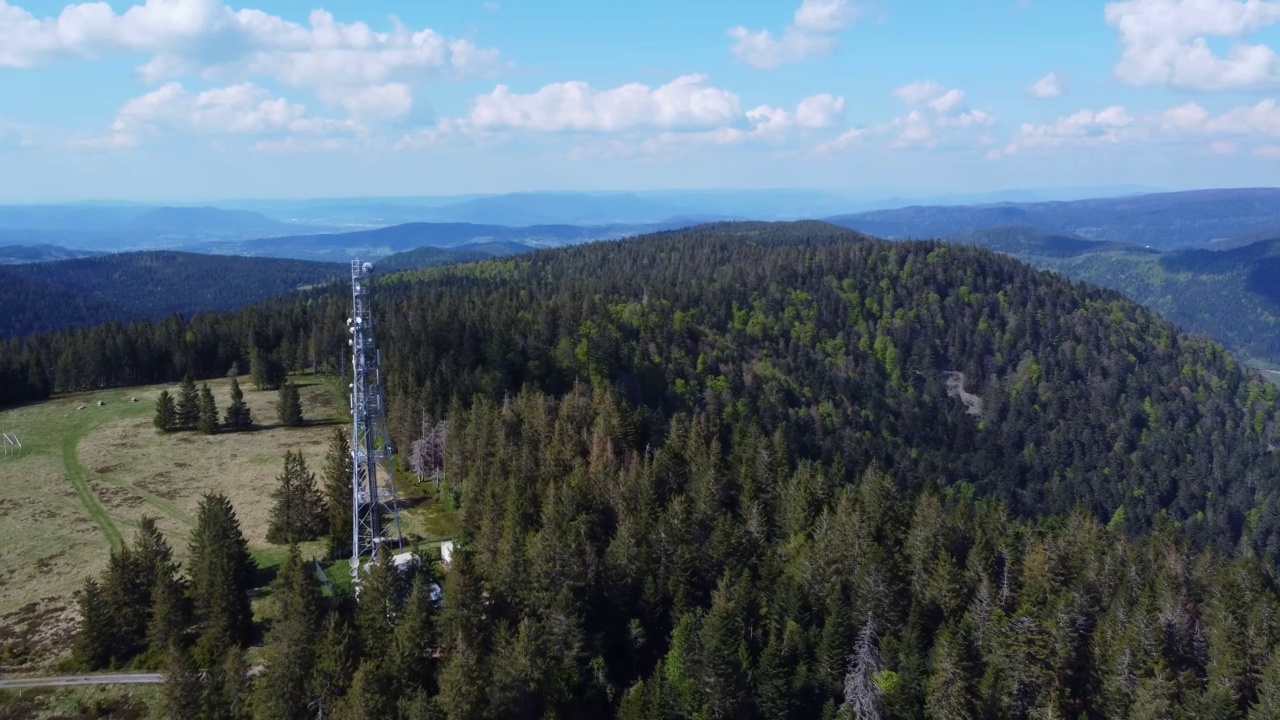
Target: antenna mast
[[373, 488]]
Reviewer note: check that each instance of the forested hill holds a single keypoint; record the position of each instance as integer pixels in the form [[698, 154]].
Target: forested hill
[[782, 471], [851, 348], [129, 286], [1231, 295]]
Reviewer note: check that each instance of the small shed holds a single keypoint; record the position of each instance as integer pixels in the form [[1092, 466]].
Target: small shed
[[446, 552]]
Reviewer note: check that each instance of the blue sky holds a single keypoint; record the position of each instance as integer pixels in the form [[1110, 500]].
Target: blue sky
[[198, 99]]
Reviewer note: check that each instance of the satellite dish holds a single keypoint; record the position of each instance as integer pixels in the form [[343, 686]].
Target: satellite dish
[[367, 268]]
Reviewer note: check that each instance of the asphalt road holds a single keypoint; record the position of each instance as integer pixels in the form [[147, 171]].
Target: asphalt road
[[19, 683]]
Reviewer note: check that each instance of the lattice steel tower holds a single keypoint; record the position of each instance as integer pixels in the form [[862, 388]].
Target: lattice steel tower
[[373, 487]]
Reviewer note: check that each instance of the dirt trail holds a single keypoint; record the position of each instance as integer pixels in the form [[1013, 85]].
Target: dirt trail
[[955, 388], [78, 474]]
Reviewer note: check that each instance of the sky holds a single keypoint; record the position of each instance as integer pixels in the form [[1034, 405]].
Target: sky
[[198, 99]]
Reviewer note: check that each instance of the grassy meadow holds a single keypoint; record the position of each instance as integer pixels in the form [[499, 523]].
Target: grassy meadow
[[87, 474]]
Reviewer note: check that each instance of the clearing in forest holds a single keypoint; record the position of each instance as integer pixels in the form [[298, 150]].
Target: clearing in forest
[[88, 473]]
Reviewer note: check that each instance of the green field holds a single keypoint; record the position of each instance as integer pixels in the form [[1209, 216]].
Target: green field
[[87, 474]]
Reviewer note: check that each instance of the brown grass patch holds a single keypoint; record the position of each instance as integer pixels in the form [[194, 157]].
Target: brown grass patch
[[49, 542]]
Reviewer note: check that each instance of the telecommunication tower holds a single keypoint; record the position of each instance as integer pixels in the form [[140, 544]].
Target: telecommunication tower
[[373, 487]]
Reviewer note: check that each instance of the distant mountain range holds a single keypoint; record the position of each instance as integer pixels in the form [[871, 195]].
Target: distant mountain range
[[114, 228], [1166, 221], [378, 243]]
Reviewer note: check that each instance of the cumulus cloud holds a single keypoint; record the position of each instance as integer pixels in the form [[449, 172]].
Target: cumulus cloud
[[1166, 42], [185, 35], [1082, 128], [240, 109], [1225, 132], [1049, 86], [811, 33], [931, 108], [348, 65], [687, 101]]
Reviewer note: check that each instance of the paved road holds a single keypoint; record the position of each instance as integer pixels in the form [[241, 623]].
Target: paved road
[[64, 680]]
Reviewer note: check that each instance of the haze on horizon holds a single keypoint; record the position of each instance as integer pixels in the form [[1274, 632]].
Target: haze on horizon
[[181, 100]]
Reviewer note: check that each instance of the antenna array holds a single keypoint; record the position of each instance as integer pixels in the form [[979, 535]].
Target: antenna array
[[373, 488]]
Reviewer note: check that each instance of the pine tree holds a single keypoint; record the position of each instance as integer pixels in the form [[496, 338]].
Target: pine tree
[[169, 618], [208, 419], [166, 418], [238, 416], [258, 371], [228, 688], [372, 694], [336, 663], [416, 640], [188, 404], [337, 491], [126, 593], [289, 406], [298, 514], [92, 648], [221, 576], [381, 596], [183, 690], [282, 689]]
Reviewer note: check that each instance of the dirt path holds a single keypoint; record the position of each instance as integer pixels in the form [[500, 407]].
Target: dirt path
[[955, 388], [79, 476]]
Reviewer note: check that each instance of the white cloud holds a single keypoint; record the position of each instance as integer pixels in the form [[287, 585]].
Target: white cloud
[[1049, 86], [1166, 43], [377, 103], [1225, 132], [206, 34], [819, 111], [240, 109], [764, 124], [427, 137], [346, 64], [843, 141], [1082, 128], [687, 101], [1262, 119], [931, 108], [1268, 151], [810, 34]]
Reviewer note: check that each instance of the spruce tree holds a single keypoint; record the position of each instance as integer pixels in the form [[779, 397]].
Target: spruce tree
[[183, 690], [166, 417], [188, 404], [335, 664], [238, 416], [298, 513], [337, 492], [208, 420], [290, 653], [257, 368], [416, 639], [378, 612], [92, 649], [169, 618], [222, 574], [126, 593], [289, 406]]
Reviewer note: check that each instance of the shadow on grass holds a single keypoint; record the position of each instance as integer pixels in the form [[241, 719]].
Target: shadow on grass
[[263, 427]]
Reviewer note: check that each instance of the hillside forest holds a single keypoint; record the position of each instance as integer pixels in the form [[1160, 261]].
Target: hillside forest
[[756, 470]]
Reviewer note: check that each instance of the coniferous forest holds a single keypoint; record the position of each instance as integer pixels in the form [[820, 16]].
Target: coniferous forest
[[773, 471]]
